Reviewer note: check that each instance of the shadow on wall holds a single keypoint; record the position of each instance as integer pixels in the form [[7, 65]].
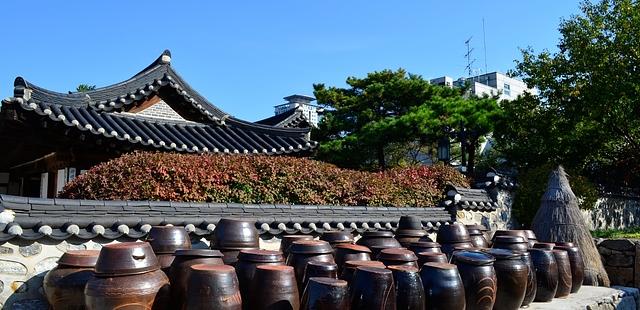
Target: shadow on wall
[[17, 300]]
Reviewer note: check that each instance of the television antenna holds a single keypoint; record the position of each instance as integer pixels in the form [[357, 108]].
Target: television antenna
[[468, 56]]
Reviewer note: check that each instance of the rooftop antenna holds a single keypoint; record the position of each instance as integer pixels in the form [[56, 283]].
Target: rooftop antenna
[[484, 39], [468, 56]]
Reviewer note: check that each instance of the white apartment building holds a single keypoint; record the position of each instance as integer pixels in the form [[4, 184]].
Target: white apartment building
[[492, 83], [303, 104]]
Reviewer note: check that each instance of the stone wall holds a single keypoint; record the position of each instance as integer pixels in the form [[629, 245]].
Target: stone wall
[[614, 213], [498, 219], [621, 259]]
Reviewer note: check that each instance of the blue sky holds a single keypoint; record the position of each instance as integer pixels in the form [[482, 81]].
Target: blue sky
[[244, 56]]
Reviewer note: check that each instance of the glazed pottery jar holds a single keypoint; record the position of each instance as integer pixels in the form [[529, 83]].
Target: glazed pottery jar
[[513, 243], [350, 266], [231, 236], [479, 278], [337, 237], [212, 287], [64, 284], [429, 257], [165, 240], [383, 238], [304, 251], [326, 293], [376, 249], [512, 232], [316, 269], [532, 284], [274, 287], [449, 248], [546, 269], [409, 291], [577, 266], [345, 252], [127, 274], [287, 240], [372, 288], [477, 238], [564, 273], [511, 272], [531, 237], [443, 287], [180, 267], [397, 256], [544, 245], [453, 233], [408, 236], [248, 260], [425, 246], [409, 222]]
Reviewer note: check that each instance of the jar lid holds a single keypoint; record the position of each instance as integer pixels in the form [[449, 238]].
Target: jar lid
[[310, 247], [354, 247], [126, 258], [80, 258], [378, 234], [473, 257], [199, 252], [503, 254], [397, 254], [263, 256], [410, 233], [509, 239], [336, 236]]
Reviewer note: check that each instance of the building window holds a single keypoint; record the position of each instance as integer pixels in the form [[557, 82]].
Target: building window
[[507, 89]]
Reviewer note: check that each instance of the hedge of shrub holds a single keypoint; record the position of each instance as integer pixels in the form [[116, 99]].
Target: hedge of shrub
[[258, 179]]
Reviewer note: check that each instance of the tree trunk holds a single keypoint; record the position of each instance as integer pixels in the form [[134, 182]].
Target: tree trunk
[[381, 160]]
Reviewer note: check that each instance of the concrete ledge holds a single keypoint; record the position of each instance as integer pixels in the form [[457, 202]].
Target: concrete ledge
[[595, 298]]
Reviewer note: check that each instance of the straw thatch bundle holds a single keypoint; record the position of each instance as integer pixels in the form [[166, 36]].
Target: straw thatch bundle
[[559, 220]]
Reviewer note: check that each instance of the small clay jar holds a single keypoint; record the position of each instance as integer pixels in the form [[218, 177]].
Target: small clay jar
[[477, 238], [165, 240], [181, 265], [513, 243], [304, 251], [443, 287], [397, 256], [532, 284], [409, 222], [350, 268], [372, 288], [382, 238], [511, 272], [248, 260], [408, 236], [337, 237], [453, 233], [274, 287], [479, 278], [424, 246], [544, 263], [564, 273], [212, 287], [319, 269], [64, 284], [346, 252], [409, 290], [577, 266], [326, 293], [287, 240], [544, 245], [429, 257]]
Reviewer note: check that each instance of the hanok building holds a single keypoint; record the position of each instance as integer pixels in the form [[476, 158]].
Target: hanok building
[[49, 137]]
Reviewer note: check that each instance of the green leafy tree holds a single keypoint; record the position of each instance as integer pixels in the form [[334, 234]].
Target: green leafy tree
[[85, 88], [382, 117]]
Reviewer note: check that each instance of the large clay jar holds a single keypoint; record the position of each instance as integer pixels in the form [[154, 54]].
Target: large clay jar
[[429, 257], [477, 238], [349, 268], [409, 222], [180, 267], [453, 236], [378, 238], [248, 260], [127, 276], [473, 229], [231, 236], [409, 230], [64, 284], [511, 272], [577, 266], [443, 287], [212, 287], [319, 270], [531, 237], [345, 252], [397, 256], [274, 288], [372, 288], [546, 269], [519, 233], [287, 240], [304, 251], [449, 248], [165, 240], [564, 273], [513, 243], [479, 278], [424, 246], [409, 291], [532, 284], [326, 293], [337, 237], [544, 245]]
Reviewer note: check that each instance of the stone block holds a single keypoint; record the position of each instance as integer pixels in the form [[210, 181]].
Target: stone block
[[620, 275], [618, 244], [12, 268], [6, 250], [30, 250], [619, 260], [45, 265]]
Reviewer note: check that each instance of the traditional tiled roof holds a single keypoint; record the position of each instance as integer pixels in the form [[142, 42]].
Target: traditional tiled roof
[[60, 219], [469, 199], [91, 112], [293, 118]]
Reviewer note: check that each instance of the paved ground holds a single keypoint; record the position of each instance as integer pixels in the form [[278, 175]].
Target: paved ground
[[595, 298]]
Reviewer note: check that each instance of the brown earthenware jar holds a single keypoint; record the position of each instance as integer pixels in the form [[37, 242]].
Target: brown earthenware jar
[[477, 238], [511, 272], [424, 246], [546, 269], [383, 238], [397, 256], [443, 287], [409, 291], [577, 266], [165, 240], [512, 232], [127, 274], [350, 266], [425, 238], [449, 248], [337, 237], [287, 240], [235, 234], [544, 245], [376, 249], [532, 285], [479, 278], [481, 228], [319, 270], [248, 260], [212, 287], [345, 252], [531, 237], [64, 284], [453, 233], [409, 222], [567, 244], [564, 273], [304, 251], [513, 243], [274, 288], [180, 267], [326, 293], [429, 257], [408, 236], [372, 288]]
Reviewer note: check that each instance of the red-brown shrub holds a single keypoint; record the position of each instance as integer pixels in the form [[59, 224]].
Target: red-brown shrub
[[258, 179]]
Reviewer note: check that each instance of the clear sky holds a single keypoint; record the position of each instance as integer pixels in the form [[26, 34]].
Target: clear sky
[[244, 56]]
